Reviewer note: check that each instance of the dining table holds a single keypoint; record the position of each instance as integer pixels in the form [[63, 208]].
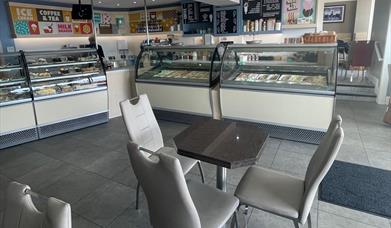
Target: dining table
[[224, 143]]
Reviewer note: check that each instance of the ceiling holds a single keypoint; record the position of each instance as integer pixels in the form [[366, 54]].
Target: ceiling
[[119, 3]]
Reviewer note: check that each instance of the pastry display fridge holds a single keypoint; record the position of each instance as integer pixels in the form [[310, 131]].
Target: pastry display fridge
[[17, 120], [288, 89], [179, 79], [69, 90]]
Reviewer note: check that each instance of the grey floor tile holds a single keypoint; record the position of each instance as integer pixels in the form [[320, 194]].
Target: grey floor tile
[[74, 186], [86, 155], [235, 175], [126, 177], [9, 154], [80, 222], [377, 142], [132, 218], [208, 169], [353, 153], [292, 163], [379, 158], [267, 156], [327, 220], [24, 164], [261, 219], [110, 164], [46, 175], [105, 203], [4, 181], [355, 215], [298, 147]]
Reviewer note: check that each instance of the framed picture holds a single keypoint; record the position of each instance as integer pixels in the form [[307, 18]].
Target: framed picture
[[334, 14]]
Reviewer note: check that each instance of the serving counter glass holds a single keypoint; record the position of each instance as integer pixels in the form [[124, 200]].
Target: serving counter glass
[[280, 86], [179, 78]]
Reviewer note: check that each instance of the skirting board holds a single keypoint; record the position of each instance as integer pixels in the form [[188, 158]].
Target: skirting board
[[281, 132], [18, 137], [72, 125]]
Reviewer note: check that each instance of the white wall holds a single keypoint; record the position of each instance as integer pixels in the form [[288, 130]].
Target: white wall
[[364, 19], [381, 32]]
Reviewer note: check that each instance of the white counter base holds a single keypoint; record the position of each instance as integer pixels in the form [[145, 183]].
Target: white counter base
[[303, 111], [177, 98]]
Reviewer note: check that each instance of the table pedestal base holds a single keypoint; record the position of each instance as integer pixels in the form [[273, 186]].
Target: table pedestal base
[[221, 178]]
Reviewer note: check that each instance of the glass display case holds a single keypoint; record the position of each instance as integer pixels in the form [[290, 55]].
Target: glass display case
[[14, 87], [66, 72], [181, 65], [306, 68]]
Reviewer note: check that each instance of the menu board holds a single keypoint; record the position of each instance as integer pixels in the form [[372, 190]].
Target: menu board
[[252, 9], [299, 11], [158, 21], [226, 21], [271, 9], [190, 12], [205, 13], [36, 20]]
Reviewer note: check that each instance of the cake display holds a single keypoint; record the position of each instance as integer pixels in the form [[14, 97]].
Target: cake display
[[283, 78]]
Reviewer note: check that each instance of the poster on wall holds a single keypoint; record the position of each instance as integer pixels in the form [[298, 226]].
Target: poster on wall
[[37, 20], [158, 21], [299, 11]]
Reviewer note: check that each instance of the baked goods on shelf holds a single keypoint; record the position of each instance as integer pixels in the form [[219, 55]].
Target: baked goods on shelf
[[45, 91]]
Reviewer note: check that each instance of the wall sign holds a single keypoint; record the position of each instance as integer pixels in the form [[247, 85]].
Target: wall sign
[[190, 12], [252, 9], [158, 21], [205, 13], [226, 21], [271, 9], [36, 20]]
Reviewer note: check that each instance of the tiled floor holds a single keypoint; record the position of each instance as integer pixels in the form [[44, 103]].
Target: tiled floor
[[90, 169]]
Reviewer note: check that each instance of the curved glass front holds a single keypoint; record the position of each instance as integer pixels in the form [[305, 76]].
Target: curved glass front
[[287, 68]]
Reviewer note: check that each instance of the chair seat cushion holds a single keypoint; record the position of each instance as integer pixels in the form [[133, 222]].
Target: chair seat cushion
[[214, 207], [271, 191], [186, 163]]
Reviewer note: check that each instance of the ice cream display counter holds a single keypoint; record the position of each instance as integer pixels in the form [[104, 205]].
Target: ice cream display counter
[[179, 78], [288, 89]]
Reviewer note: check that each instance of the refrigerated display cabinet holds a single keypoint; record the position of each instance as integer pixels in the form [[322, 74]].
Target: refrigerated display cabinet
[[69, 89], [179, 79], [288, 89], [17, 120]]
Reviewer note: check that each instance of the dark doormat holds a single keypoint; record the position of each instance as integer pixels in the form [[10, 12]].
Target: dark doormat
[[358, 187]]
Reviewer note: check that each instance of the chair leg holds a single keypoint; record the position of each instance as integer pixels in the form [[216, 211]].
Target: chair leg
[[201, 172], [234, 221], [296, 224], [137, 194], [309, 221]]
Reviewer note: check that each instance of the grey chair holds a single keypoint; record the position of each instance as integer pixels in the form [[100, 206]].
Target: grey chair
[[285, 195], [144, 130], [20, 211], [171, 202]]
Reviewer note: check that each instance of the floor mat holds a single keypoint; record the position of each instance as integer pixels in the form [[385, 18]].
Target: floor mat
[[358, 187]]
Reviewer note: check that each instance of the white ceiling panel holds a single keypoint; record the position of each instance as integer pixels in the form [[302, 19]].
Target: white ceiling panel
[[221, 2]]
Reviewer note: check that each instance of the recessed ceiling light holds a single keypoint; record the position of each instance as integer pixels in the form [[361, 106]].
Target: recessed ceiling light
[[117, 4], [100, 2], [134, 2], [153, 0]]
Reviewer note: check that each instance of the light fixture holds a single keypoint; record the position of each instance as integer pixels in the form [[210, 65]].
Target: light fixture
[[100, 2], [134, 2], [117, 4]]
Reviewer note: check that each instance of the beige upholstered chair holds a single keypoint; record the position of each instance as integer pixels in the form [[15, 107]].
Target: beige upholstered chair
[[285, 195], [171, 202], [144, 130], [20, 211]]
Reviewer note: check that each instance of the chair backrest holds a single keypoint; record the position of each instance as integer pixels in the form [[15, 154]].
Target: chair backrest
[[361, 53], [20, 211], [141, 124], [320, 164], [169, 201]]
